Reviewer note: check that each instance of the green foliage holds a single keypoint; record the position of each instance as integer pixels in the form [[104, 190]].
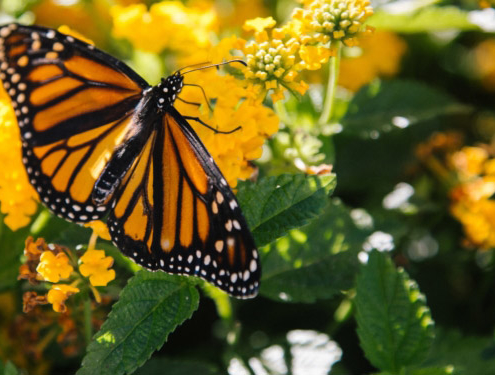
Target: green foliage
[[315, 262], [11, 245], [8, 369], [149, 308], [387, 105], [274, 205], [427, 19], [394, 324], [309, 244], [161, 366], [448, 370], [467, 354]]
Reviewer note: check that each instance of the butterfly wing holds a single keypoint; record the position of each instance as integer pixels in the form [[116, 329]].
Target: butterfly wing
[[74, 105], [175, 212]]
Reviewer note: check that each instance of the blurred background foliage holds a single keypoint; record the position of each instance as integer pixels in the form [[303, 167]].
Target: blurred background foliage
[[412, 145]]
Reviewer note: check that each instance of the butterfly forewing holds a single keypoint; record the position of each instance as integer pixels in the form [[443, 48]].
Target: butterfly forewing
[[197, 227], [74, 105]]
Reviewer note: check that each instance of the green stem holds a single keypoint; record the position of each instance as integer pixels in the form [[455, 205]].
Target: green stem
[[88, 328], [281, 111], [333, 76], [40, 222]]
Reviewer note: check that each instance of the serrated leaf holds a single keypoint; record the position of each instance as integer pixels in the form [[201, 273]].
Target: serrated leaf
[[275, 205], [433, 18], [150, 307], [386, 105], [161, 366], [394, 324], [316, 262]]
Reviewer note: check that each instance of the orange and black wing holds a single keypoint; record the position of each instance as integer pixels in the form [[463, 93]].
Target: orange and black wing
[[74, 105], [175, 212]]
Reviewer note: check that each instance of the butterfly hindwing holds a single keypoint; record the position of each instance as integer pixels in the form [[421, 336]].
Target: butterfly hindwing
[[74, 105], [197, 227]]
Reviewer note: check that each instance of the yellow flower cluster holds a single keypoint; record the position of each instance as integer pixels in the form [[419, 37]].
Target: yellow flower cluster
[[324, 21], [232, 152], [52, 263], [18, 199], [471, 198], [272, 63], [166, 25]]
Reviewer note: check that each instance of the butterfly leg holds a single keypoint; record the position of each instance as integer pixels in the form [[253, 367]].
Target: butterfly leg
[[204, 94], [187, 102], [197, 119]]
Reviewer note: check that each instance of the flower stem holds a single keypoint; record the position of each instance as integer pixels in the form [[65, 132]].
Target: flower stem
[[281, 111], [333, 75], [88, 330]]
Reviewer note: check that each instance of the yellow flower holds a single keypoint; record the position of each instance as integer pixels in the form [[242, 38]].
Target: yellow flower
[[484, 58], [380, 56], [272, 63], [259, 24], [100, 228], [236, 13], [315, 56], [167, 24], [96, 265], [17, 196], [58, 294], [334, 20], [232, 152], [54, 267], [478, 220], [469, 161], [471, 201]]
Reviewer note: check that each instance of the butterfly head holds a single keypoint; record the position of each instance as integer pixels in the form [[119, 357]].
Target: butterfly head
[[168, 90]]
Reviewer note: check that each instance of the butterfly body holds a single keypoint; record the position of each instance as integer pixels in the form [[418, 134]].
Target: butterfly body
[[99, 141]]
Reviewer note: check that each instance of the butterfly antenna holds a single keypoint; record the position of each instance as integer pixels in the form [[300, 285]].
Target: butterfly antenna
[[192, 66], [217, 65]]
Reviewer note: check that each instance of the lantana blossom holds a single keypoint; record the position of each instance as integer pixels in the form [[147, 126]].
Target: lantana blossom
[[95, 265]]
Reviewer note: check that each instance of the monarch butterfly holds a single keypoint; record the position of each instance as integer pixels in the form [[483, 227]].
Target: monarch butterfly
[[99, 141]]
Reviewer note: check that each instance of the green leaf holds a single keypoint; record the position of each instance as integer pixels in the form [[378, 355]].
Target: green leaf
[[386, 105], [426, 19], [11, 246], [316, 262], [447, 370], [8, 369], [164, 366], [274, 205], [150, 307], [467, 354], [394, 324]]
